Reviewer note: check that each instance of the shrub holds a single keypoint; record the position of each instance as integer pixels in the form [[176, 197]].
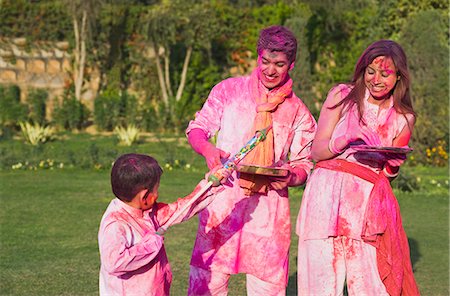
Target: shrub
[[131, 112], [37, 102], [152, 119], [127, 136], [438, 155], [107, 110], [71, 114], [36, 134], [11, 110], [406, 182], [114, 108]]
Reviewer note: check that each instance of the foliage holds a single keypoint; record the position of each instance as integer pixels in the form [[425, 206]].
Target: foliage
[[70, 114], [11, 110], [36, 100], [425, 39], [35, 20], [302, 72], [152, 116], [201, 42], [36, 134], [81, 150], [127, 135], [438, 155], [406, 181], [107, 109], [202, 76], [174, 31], [114, 108]]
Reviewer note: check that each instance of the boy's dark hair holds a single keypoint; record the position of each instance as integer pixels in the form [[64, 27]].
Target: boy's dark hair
[[132, 173], [278, 38]]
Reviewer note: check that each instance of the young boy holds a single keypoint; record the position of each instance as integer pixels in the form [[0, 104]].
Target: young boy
[[132, 255]]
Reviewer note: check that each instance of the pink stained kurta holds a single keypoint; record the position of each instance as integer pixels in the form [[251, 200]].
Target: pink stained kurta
[[250, 234], [132, 255], [333, 202]]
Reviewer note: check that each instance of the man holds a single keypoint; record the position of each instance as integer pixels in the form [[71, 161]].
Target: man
[[246, 229]]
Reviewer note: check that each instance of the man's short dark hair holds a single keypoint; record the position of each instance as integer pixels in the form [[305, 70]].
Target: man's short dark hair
[[278, 38], [132, 173]]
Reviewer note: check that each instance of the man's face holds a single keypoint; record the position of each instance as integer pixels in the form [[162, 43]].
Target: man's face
[[273, 68]]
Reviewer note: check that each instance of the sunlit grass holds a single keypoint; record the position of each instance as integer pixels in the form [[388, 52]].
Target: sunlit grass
[[49, 221]]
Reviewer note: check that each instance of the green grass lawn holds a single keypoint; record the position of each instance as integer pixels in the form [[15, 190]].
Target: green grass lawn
[[49, 221]]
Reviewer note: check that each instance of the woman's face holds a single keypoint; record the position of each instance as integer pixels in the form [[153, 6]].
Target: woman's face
[[380, 77]]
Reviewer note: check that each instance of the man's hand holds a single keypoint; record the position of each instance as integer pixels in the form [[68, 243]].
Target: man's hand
[[199, 142], [279, 183], [213, 156]]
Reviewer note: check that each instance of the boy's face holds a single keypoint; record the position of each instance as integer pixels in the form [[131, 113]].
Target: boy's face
[[273, 68], [150, 198]]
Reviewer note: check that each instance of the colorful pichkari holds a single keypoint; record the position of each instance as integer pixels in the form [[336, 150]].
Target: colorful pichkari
[[257, 138], [214, 179]]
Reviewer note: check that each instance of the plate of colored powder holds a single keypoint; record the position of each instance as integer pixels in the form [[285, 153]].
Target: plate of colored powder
[[262, 170], [365, 148]]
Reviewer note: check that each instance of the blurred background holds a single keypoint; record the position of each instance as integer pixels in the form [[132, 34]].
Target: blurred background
[[95, 65]]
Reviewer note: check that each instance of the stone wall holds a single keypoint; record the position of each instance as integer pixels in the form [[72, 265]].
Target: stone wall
[[41, 65]]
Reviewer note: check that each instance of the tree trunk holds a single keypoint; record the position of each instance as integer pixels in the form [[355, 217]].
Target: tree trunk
[[167, 71], [184, 74], [162, 83], [80, 53]]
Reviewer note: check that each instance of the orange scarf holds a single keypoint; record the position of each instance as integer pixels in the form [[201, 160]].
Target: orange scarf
[[263, 154], [383, 229]]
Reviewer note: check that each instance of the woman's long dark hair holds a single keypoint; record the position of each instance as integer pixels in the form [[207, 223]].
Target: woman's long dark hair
[[400, 92]]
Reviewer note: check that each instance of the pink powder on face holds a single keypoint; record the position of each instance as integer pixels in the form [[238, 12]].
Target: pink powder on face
[[384, 64]]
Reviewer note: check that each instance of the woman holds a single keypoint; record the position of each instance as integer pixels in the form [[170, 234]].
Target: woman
[[349, 224]]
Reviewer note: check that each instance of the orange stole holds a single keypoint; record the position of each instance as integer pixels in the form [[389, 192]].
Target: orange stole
[[262, 154]]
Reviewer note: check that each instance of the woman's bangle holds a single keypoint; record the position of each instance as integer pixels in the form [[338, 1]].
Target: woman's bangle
[[332, 147], [389, 175]]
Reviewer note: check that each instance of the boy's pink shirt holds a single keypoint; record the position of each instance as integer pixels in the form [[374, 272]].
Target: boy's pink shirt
[[132, 255]]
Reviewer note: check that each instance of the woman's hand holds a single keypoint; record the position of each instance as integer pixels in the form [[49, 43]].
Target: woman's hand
[[357, 131]]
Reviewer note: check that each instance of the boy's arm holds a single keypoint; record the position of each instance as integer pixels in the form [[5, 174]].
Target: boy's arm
[[117, 253], [165, 211]]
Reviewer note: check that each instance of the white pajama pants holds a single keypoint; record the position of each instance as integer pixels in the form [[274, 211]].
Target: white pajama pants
[[212, 283], [325, 264]]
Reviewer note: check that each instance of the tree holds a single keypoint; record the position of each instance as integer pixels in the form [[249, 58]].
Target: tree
[[175, 29], [425, 40], [84, 14]]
